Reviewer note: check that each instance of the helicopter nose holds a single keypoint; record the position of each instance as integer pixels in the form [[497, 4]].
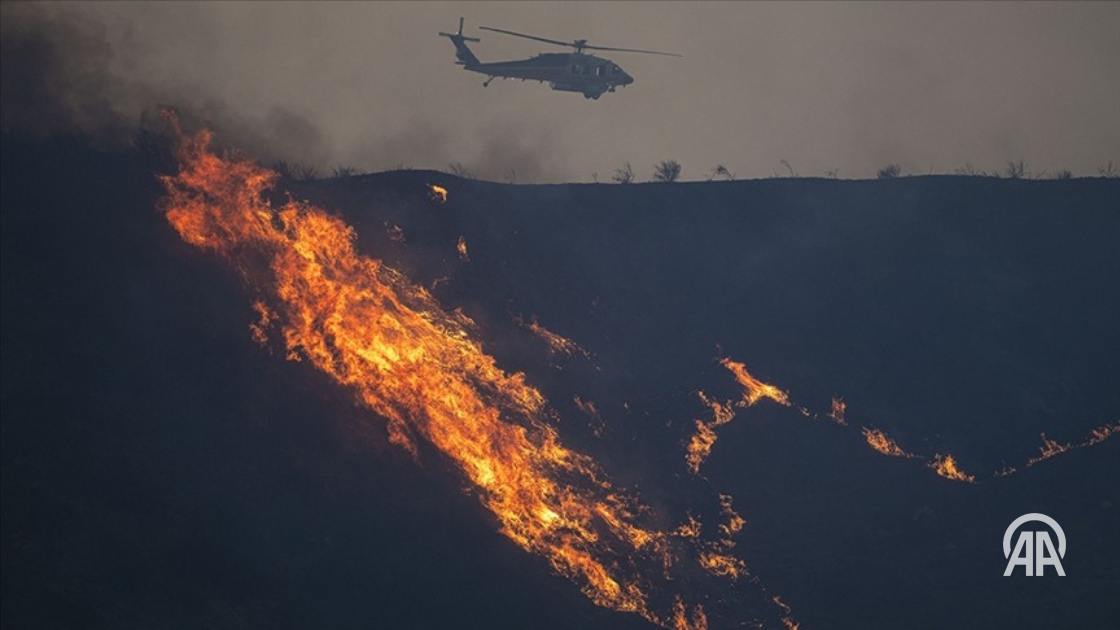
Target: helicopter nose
[[627, 79]]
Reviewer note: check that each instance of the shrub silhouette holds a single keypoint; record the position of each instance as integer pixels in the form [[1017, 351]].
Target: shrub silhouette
[[890, 171], [667, 171], [1016, 170], [623, 175]]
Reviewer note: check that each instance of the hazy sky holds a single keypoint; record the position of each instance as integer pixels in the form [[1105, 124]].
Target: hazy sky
[[848, 87]]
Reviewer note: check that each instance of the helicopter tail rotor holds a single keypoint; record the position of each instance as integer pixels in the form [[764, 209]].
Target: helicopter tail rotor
[[462, 53]]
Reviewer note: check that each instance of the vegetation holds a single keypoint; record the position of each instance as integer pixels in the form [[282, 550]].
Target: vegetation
[[721, 171], [1016, 170], [623, 175], [295, 171], [890, 171], [667, 171], [457, 169]]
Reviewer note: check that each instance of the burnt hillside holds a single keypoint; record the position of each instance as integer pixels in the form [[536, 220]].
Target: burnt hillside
[[162, 470]]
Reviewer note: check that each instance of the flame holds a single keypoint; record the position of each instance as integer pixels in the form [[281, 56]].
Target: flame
[[437, 193], [406, 359], [754, 390], [1053, 448], [461, 247], [787, 619], [688, 529], [1101, 433], [839, 408], [721, 565], [557, 344], [946, 466], [701, 442], [734, 522], [1050, 448], [699, 446], [879, 441], [258, 330], [681, 620], [591, 410]]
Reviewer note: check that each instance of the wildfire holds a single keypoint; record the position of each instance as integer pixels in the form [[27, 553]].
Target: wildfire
[[734, 522], [839, 408], [557, 344], [681, 621], [721, 565], [946, 466], [366, 327], [754, 390], [1050, 448], [1101, 433], [787, 619], [437, 193], [258, 330], [689, 529], [879, 441], [461, 247], [700, 443], [699, 446]]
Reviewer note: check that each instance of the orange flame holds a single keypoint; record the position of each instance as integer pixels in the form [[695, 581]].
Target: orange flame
[[438, 193], [461, 247], [681, 620], [1050, 448], [734, 523], [699, 446], [839, 408], [700, 443], [721, 565], [688, 529], [947, 467], [366, 327], [557, 344], [754, 390], [1053, 448], [879, 441], [787, 619]]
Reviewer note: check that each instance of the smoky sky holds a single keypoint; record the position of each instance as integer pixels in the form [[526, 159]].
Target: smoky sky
[[827, 88]]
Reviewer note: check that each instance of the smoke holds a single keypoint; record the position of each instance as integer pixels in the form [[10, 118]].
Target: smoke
[[58, 80], [65, 73]]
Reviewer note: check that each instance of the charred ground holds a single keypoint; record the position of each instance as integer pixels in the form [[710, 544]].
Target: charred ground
[[161, 470]]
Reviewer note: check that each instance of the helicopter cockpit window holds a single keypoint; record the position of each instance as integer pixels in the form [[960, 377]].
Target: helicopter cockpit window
[[598, 71]]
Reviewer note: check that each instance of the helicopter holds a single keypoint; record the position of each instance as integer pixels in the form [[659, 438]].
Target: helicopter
[[566, 72]]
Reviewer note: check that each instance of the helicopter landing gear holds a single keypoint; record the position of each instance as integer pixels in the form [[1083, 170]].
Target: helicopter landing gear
[[486, 83]]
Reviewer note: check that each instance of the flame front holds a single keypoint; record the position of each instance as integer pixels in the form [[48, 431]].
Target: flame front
[[948, 468], [754, 390], [881, 442], [406, 359], [557, 343], [701, 442]]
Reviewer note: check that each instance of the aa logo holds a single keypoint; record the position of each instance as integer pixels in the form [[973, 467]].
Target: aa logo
[[1034, 549]]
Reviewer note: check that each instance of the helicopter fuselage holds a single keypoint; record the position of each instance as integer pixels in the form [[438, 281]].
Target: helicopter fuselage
[[568, 72]]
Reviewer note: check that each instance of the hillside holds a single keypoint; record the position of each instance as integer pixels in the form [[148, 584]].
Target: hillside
[[208, 482]]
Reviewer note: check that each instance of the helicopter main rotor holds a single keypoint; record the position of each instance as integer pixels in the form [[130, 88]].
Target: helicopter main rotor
[[579, 44]]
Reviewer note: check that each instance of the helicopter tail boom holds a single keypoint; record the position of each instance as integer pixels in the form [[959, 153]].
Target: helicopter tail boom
[[465, 56]]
